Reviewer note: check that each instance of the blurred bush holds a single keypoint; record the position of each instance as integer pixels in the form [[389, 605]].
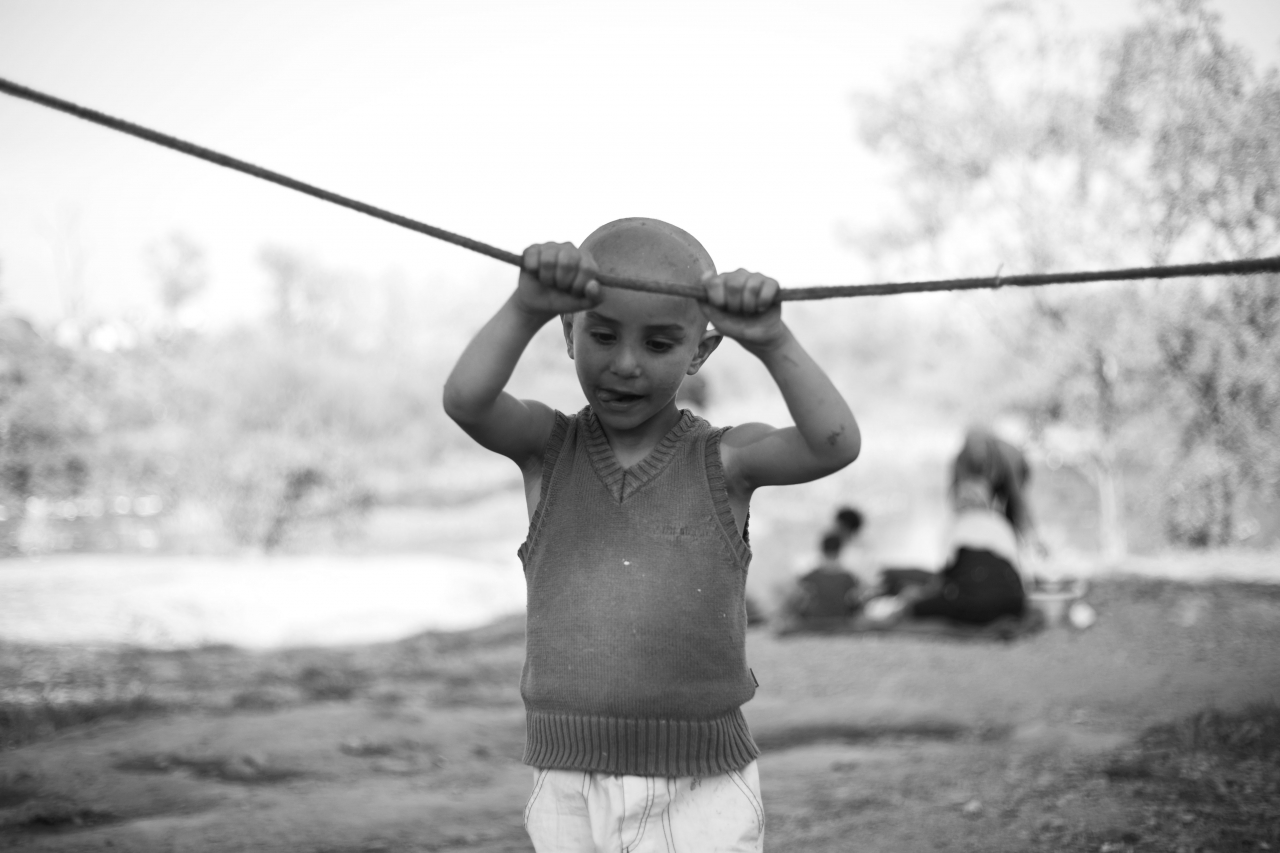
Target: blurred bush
[[269, 437], [1029, 146]]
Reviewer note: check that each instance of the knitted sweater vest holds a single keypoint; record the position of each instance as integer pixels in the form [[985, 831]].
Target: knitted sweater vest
[[636, 658]]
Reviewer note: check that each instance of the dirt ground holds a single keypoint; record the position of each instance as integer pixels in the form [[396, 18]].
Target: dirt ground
[[1158, 729]]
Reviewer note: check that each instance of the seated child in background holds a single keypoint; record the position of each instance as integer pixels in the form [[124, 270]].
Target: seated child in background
[[829, 592], [846, 525], [848, 522], [637, 552], [854, 557]]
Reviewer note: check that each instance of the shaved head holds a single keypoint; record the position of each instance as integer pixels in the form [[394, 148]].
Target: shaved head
[[648, 248]]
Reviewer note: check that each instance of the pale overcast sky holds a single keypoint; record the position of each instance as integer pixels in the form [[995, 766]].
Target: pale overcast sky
[[506, 121]]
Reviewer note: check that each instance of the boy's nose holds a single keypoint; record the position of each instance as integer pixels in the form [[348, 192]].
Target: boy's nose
[[625, 362]]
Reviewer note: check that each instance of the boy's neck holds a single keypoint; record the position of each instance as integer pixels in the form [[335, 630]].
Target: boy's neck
[[631, 446]]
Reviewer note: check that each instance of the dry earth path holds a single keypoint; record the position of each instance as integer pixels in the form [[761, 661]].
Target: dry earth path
[[870, 743]]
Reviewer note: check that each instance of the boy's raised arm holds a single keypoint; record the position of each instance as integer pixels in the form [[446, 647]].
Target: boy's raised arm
[[556, 278], [825, 437]]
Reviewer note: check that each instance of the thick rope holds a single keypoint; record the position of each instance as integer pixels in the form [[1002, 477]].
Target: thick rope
[[1241, 267], [250, 169]]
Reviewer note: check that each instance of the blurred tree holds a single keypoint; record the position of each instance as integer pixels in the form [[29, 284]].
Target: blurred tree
[[49, 420], [274, 491], [70, 259], [180, 268], [276, 442], [1222, 350], [294, 431], [1208, 128], [263, 439], [311, 299], [1044, 149], [285, 269]]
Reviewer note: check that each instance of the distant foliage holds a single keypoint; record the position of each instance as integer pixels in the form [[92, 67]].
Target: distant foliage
[[1026, 146], [1209, 128], [1209, 131], [179, 267], [270, 437], [1222, 352], [50, 417]]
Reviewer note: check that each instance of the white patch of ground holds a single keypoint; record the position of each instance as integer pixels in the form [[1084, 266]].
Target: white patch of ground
[[255, 602]]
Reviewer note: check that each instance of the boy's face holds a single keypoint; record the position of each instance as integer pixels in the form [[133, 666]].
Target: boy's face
[[633, 350]]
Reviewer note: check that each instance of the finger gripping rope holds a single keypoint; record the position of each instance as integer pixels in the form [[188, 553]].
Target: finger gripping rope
[[1241, 267]]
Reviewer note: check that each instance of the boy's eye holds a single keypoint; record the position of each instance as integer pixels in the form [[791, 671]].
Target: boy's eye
[[660, 346], [603, 337]]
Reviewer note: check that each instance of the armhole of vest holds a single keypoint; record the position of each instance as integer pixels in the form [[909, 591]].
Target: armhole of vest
[[720, 497], [555, 443]]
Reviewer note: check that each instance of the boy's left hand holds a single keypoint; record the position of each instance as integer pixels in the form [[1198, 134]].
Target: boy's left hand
[[745, 306]]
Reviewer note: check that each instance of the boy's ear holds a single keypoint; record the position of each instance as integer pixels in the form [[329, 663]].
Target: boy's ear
[[710, 340], [566, 320]]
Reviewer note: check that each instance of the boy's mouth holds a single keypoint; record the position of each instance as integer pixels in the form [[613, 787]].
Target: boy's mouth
[[616, 398]]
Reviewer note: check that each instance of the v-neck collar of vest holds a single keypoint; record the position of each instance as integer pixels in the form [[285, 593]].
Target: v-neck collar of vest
[[621, 482]]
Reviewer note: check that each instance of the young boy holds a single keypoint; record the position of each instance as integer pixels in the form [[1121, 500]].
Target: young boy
[[637, 552]]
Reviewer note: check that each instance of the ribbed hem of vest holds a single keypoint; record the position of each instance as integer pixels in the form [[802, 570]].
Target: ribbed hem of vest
[[639, 747]]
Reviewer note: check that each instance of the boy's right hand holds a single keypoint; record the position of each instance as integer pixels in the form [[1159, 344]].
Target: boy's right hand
[[556, 278]]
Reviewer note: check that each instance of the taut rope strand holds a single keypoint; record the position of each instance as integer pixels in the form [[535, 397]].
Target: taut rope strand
[[1242, 267]]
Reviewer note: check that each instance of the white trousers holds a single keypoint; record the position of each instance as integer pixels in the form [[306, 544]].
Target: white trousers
[[571, 811]]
